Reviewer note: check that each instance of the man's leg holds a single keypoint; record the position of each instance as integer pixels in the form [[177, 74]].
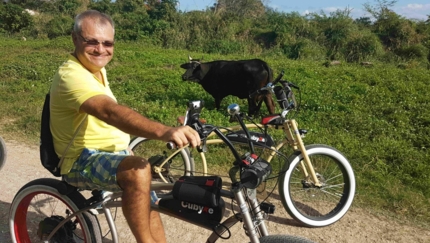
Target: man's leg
[[134, 177], [157, 229]]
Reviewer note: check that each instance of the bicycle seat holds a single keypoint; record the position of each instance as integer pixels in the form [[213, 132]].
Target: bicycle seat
[[65, 188], [273, 119]]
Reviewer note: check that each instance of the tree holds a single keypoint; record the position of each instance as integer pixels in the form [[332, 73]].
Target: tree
[[336, 29], [238, 9], [104, 6], [381, 9], [68, 7], [363, 22], [164, 10], [393, 30], [60, 25], [14, 18]]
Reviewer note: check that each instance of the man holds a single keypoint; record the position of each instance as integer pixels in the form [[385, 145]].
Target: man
[[98, 156]]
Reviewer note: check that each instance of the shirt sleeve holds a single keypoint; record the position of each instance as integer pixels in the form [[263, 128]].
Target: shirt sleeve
[[77, 87]]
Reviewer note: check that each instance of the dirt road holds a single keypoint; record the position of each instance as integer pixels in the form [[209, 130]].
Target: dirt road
[[357, 225]]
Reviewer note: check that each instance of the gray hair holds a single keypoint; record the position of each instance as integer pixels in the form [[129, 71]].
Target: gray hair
[[98, 17]]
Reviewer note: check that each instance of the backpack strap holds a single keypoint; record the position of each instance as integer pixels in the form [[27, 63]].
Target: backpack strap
[[70, 143]]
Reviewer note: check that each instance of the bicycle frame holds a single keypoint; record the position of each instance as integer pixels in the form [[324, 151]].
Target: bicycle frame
[[293, 138], [250, 213]]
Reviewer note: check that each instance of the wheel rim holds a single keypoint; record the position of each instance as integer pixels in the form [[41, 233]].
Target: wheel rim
[[320, 203], [36, 206], [310, 212]]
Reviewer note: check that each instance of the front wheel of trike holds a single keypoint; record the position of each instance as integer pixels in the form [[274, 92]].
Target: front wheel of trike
[[283, 239], [317, 205]]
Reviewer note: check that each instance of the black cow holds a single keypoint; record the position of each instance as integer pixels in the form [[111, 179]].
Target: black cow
[[238, 78]]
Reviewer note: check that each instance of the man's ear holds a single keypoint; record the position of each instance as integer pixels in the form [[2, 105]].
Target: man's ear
[[74, 38]]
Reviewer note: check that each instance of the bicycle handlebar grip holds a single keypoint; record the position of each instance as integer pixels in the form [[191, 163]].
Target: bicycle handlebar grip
[[293, 85], [171, 145]]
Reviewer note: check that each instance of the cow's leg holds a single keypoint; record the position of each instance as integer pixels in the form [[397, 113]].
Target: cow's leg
[[252, 107], [218, 103], [269, 103]]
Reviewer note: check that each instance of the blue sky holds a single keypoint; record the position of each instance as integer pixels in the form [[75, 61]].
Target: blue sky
[[411, 9]]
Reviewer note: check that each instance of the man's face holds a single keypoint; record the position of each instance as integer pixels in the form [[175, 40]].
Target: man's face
[[94, 45]]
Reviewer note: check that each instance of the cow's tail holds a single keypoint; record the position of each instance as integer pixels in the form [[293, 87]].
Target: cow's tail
[[269, 72]]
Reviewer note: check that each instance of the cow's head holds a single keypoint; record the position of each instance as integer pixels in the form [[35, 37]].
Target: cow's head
[[193, 70]]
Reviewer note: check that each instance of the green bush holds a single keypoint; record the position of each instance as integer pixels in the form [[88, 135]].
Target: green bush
[[362, 46], [13, 18], [302, 48], [59, 26], [223, 47], [414, 52]]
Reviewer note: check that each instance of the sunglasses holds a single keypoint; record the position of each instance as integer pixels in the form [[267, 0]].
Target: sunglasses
[[95, 42]]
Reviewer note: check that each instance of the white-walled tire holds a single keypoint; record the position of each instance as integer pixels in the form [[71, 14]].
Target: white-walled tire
[[317, 206], [3, 153], [284, 239]]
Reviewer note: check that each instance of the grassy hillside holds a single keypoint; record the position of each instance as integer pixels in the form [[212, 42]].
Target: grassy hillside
[[378, 117]]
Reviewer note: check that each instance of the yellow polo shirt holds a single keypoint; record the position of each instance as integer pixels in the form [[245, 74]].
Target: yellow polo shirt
[[73, 85]]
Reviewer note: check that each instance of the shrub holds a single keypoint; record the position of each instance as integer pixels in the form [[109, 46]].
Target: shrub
[[59, 26], [414, 52], [302, 48], [13, 18], [223, 47], [362, 46]]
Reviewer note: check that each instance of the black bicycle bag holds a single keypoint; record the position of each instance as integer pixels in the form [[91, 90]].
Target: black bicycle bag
[[203, 190], [48, 157]]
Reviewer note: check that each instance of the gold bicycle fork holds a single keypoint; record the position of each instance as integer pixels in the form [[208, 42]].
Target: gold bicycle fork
[[294, 139]]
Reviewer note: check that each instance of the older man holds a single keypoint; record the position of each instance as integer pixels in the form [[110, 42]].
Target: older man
[[98, 157]]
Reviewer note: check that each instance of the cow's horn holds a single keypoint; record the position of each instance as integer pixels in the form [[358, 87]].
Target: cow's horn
[[190, 58]]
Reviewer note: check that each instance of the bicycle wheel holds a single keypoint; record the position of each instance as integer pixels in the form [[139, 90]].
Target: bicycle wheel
[[283, 239], [38, 208], [166, 166], [312, 205], [3, 153]]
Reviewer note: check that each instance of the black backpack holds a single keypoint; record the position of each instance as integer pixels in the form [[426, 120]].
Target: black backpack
[[48, 157]]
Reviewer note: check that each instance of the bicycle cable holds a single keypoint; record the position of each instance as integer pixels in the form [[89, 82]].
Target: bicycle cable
[[220, 235]]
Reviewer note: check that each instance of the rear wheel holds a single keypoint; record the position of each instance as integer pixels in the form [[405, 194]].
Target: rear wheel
[[38, 208], [3, 153], [283, 239], [166, 166], [317, 205]]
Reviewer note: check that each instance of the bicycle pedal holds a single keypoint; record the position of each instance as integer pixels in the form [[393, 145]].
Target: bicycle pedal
[[267, 207]]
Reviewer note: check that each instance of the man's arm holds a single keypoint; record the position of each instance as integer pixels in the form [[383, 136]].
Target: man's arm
[[106, 109]]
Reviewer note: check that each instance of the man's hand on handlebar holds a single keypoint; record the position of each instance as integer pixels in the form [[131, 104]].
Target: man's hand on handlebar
[[183, 135]]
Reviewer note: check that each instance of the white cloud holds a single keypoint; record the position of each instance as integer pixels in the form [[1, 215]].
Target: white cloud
[[331, 9], [414, 11], [306, 12], [415, 6], [410, 11]]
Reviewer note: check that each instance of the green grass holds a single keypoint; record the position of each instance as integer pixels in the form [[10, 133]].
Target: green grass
[[378, 117]]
